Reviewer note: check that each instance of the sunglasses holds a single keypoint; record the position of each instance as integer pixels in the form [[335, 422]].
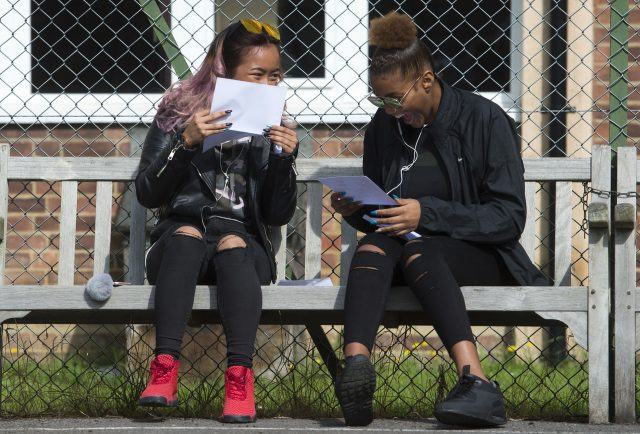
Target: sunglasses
[[390, 102], [255, 26]]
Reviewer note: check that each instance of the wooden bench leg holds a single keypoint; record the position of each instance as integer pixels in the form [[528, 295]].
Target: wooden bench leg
[[324, 348]]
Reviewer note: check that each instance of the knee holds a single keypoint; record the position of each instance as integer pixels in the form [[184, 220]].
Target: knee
[[189, 231], [418, 259], [230, 242], [370, 248]]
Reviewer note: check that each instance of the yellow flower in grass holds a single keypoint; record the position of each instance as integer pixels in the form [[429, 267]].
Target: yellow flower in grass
[[406, 353], [13, 350], [434, 353], [511, 348], [530, 344], [318, 360]]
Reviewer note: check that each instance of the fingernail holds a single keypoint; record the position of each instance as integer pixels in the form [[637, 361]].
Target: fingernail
[[266, 130], [229, 124], [228, 111], [374, 213], [373, 222], [395, 196]]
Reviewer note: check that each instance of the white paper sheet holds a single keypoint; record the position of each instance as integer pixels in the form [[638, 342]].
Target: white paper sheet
[[325, 281], [254, 107], [359, 189]]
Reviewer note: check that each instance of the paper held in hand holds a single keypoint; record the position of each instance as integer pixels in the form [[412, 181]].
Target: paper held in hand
[[358, 189], [253, 105]]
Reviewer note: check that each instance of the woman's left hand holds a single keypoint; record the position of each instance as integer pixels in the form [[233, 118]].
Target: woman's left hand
[[400, 219], [283, 136]]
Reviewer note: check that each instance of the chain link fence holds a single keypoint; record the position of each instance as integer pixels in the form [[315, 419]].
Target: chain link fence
[[81, 78]]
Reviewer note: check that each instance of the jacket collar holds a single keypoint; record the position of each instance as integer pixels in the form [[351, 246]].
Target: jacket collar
[[445, 116]]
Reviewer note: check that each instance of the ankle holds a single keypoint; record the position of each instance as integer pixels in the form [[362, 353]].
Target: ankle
[[356, 349]]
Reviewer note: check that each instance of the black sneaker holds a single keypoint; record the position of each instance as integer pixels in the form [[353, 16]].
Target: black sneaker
[[355, 384], [473, 402]]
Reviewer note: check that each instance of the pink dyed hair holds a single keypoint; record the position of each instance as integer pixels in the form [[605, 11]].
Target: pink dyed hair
[[185, 97]]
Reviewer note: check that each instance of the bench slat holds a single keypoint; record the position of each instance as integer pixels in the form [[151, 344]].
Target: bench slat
[[313, 232], [309, 298], [598, 327], [102, 245], [68, 212], [562, 229], [4, 205], [309, 169], [137, 240], [528, 237], [347, 248], [624, 300], [279, 239]]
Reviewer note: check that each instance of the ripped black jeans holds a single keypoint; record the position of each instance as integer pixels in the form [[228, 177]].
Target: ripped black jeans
[[176, 262], [433, 267]]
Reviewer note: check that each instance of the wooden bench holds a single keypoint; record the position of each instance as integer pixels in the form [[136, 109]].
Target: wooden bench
[[584, 308]]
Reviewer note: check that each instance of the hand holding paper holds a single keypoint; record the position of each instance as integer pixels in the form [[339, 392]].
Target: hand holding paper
[[359, 189], [253, 106]]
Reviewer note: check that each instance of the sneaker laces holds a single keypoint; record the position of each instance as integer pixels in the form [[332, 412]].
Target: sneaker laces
[[236, 387], [161, 372], [465, 384]]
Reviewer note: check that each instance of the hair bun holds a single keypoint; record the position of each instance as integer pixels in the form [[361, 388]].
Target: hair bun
[[393, 30]]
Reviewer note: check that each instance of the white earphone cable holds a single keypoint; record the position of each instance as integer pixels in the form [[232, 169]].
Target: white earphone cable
[[415, 154]]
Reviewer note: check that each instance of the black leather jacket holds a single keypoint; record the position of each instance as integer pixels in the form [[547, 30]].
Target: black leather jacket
[[181, 183], [480, 151]]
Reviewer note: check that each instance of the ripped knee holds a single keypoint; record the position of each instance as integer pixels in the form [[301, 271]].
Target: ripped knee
[[230, 242], [414, 270], [189, 231], [411, 259], [370, 248]]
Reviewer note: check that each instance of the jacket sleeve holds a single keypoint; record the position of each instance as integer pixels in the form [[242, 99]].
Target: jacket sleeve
[[500, 215], [279, 190], [162, 167], [371, 168]]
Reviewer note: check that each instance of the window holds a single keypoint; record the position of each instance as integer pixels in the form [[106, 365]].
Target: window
[[82, 61], [471, 42], [87, 61], [108, 47], [301, 24]]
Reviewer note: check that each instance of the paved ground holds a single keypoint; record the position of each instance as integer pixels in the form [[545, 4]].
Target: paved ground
[[273, 426]]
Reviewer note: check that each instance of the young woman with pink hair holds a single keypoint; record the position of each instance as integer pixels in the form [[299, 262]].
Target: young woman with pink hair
[[215, 212]]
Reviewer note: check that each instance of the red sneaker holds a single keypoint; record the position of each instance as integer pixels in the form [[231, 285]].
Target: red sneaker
[[162, 390], [239, 402]]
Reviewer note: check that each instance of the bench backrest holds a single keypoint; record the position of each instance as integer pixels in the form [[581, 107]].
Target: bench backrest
[[106, 171]]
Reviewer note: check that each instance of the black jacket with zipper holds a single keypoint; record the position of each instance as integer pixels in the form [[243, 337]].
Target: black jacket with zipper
[[181, 183], [479, 149]]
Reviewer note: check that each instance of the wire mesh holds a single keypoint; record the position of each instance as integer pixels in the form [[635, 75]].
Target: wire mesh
[[81, 78]]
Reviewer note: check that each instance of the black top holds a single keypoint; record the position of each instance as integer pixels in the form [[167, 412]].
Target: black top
[[480, 152], [426, 176]]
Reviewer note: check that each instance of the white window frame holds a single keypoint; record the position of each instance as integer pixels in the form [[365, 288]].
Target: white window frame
[[337, 98]]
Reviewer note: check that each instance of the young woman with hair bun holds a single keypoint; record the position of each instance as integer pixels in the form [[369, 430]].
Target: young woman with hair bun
[[452, 160], [215, 212]]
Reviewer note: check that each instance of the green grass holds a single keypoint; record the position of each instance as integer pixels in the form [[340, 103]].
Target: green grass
[[408, 386]]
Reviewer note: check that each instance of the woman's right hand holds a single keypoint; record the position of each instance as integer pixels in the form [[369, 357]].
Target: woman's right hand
[[344, 205], [200, 127]]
